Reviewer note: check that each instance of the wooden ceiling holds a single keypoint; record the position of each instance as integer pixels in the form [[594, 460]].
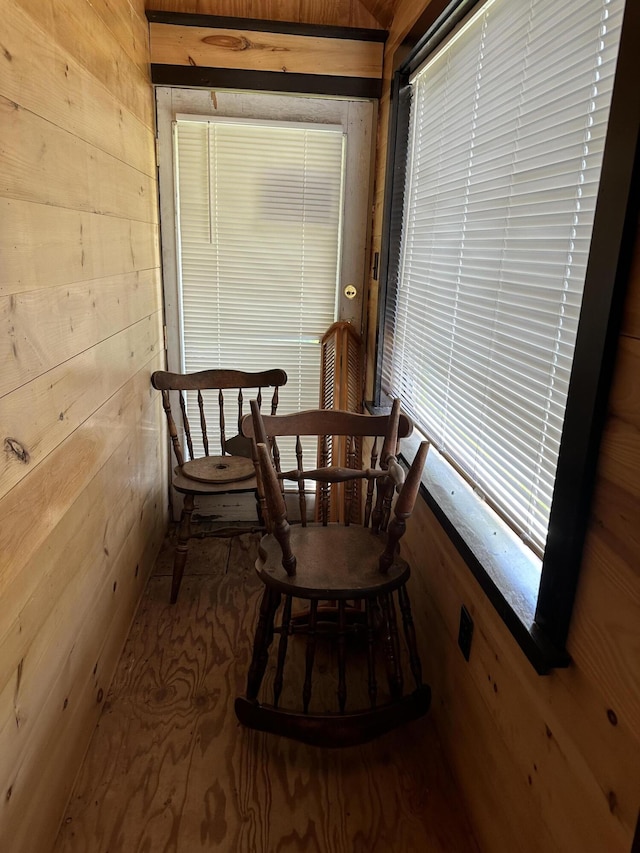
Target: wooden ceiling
[[376, 14], [382, 10]]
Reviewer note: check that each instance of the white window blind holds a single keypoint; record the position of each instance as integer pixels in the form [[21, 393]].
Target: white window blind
[[507, 128], [259, 223]]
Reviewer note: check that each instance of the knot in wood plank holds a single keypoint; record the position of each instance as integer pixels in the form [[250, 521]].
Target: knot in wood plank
[[13, 448], [228, 42]]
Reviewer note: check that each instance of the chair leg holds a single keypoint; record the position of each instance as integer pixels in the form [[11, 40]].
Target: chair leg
[[182, 547], [371, 654], [260, 509], [410, 635], [282, 650], [310, 654], [391, 645], [263, 638]]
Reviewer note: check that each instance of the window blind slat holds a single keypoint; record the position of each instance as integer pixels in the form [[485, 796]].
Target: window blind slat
[[259, 207], [506, 136]]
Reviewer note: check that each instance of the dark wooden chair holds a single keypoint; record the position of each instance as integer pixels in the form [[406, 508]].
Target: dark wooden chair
[[348, 578], [198, 472]]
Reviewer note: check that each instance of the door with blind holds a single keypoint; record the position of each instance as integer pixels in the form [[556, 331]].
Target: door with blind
[[264, 202]]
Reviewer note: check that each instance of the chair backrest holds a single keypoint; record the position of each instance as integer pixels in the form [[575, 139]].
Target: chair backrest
[[383, 431], [206, 406], [384, 476]]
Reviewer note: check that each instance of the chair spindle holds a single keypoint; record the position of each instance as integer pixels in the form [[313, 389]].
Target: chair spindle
[[324, 487], [285, 632], [390, 642], [173, 432], [302, 497], [342, 656], [240, 408], [371, 483], [278, 511], [410, 635], [371, 651], [310, 654], [185, 424], [203, 424], [223, 436]]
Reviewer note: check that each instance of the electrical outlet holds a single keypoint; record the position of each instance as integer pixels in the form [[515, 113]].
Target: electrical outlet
[[465, 632]]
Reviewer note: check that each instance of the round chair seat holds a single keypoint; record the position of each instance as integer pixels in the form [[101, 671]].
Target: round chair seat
[[218, 469], [333, 562]]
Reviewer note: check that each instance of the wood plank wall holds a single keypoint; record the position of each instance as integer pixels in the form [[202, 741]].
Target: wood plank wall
[[82, 475], [545, 763], [339, 13], [275, 52]]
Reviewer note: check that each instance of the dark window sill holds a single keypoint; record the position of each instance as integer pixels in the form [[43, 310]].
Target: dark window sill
[[507, 571]]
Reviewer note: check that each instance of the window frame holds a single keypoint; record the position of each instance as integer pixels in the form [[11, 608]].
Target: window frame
[[543, 637]]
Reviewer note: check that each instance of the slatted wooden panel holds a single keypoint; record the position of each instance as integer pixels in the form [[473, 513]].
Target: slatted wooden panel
[[82, 491], [545, 763], [341, 387], [341, 369]]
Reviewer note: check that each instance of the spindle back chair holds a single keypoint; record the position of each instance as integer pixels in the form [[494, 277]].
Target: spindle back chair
[[209, 460], [330, 567]]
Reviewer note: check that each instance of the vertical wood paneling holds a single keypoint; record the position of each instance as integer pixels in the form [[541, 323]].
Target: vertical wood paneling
[[546, 763], [82, 491]]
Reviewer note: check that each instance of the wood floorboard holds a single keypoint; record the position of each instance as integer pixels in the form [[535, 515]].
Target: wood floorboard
[[170, 769]]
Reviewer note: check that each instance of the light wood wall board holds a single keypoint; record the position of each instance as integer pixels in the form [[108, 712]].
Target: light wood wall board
[[631, 318], [44, 79], [260, 51], [33, 813], [56, 650], [537, 725], [77, 29], [338, 13], [80, 294], [70, 744], [93, 530], [59, 659], [460, 718], [44, 246], [71, 318], [40, 415], [606, 648], [624, 402], [64, 675], [544, 762], [618, 460], [605, 642], [128, 25], [55, 484], [49, 165]]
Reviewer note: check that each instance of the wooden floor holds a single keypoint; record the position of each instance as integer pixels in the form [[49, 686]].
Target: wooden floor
[[170, 769]]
